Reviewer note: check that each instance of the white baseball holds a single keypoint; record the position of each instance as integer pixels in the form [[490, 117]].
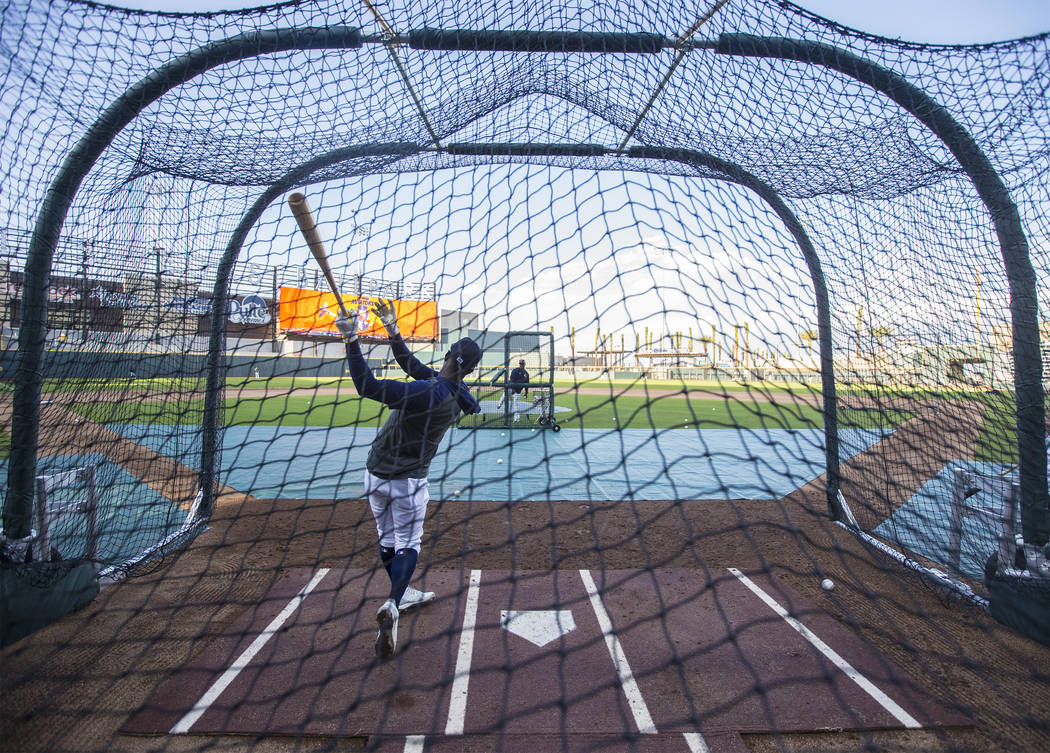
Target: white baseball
[[827, 584], [499, 460]]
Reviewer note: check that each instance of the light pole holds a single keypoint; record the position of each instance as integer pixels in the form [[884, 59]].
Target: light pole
[[157, 249], [978, 308], [361, 230], [747, 344], [860, 325], [84, 293]]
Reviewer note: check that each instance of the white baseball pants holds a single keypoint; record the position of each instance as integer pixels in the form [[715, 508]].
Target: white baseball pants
[[399, 506]]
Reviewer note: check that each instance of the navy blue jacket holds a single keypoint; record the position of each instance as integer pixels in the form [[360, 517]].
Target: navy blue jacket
[[519, 380], [422, 410]]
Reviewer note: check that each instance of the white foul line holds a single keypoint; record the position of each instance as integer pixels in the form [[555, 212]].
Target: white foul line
[[865, 684], [619, 658], [242, 661], [696, 742], [457, 702]]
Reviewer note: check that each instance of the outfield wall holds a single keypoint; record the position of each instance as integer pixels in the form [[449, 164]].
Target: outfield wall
[[64, 364], [90, 364]]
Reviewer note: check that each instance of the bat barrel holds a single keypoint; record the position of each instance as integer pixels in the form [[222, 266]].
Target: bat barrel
[[305, 218]]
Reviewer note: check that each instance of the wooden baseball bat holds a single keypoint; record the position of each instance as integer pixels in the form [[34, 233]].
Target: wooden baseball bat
[[305, 218]]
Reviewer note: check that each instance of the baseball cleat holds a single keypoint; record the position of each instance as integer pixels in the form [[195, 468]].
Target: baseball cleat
[[386, 640], [415, 598]]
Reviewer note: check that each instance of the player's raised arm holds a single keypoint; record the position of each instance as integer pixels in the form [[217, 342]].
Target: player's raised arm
[[384, 309], [413, 396]]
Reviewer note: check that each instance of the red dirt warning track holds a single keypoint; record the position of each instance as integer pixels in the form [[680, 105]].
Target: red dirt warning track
[[657, 660]]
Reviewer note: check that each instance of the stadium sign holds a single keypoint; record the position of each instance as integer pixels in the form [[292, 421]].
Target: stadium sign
[[112, 299], [251, 309], [55, 293], [190, 305], [310, 312]]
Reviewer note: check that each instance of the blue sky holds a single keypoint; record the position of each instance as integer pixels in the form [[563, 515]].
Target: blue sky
[[947, 21]]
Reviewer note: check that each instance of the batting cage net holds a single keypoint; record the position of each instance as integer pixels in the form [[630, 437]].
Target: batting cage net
[[776, 282]]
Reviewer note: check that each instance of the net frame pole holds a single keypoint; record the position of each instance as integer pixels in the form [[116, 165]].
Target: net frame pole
[[506, 378], [678, 58], [25, 409], [1024, 305], [220, 295], [731, 171], [494, 40], [507, 384], [397, 150], [402, 71], [17, 508], [18, 504], [736, 174], [551, 421]]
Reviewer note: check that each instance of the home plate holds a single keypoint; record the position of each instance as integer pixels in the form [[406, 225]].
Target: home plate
[[538, 626]]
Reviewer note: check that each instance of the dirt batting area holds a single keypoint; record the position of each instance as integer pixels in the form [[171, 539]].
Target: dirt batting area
[[74, 685]]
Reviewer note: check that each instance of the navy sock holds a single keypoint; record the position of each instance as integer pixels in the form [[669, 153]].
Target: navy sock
[[401, 569], [386, 556]]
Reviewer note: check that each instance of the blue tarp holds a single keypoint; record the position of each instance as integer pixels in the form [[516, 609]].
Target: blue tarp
[[575, 464]]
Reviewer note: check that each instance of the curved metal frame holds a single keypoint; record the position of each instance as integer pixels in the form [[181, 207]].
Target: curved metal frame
[[32, 332], [730, 171], [220, 293], [738, 175], [1027, 363]]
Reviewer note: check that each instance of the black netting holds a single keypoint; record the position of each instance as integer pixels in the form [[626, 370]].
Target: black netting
[[778, 305]]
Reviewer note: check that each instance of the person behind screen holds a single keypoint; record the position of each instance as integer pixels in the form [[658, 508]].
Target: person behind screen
[[519, 385]]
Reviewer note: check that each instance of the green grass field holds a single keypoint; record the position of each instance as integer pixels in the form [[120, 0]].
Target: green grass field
[[65, 386], [718, 387], [998, 440], [625, 405], [586, 410], [303, 382]]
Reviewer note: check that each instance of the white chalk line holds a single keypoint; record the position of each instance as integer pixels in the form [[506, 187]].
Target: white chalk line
[[696, 742], [635, 702], [833, 656], [415, 743], [212, 694], [457, 704]]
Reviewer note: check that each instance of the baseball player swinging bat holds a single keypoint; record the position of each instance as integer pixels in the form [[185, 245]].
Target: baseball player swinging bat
[[396, 469]]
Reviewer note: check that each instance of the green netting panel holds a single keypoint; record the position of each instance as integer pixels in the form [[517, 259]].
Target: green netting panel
[[653, 223]]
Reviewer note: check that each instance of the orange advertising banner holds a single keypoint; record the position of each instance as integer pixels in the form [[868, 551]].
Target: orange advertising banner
[[313, 312]]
